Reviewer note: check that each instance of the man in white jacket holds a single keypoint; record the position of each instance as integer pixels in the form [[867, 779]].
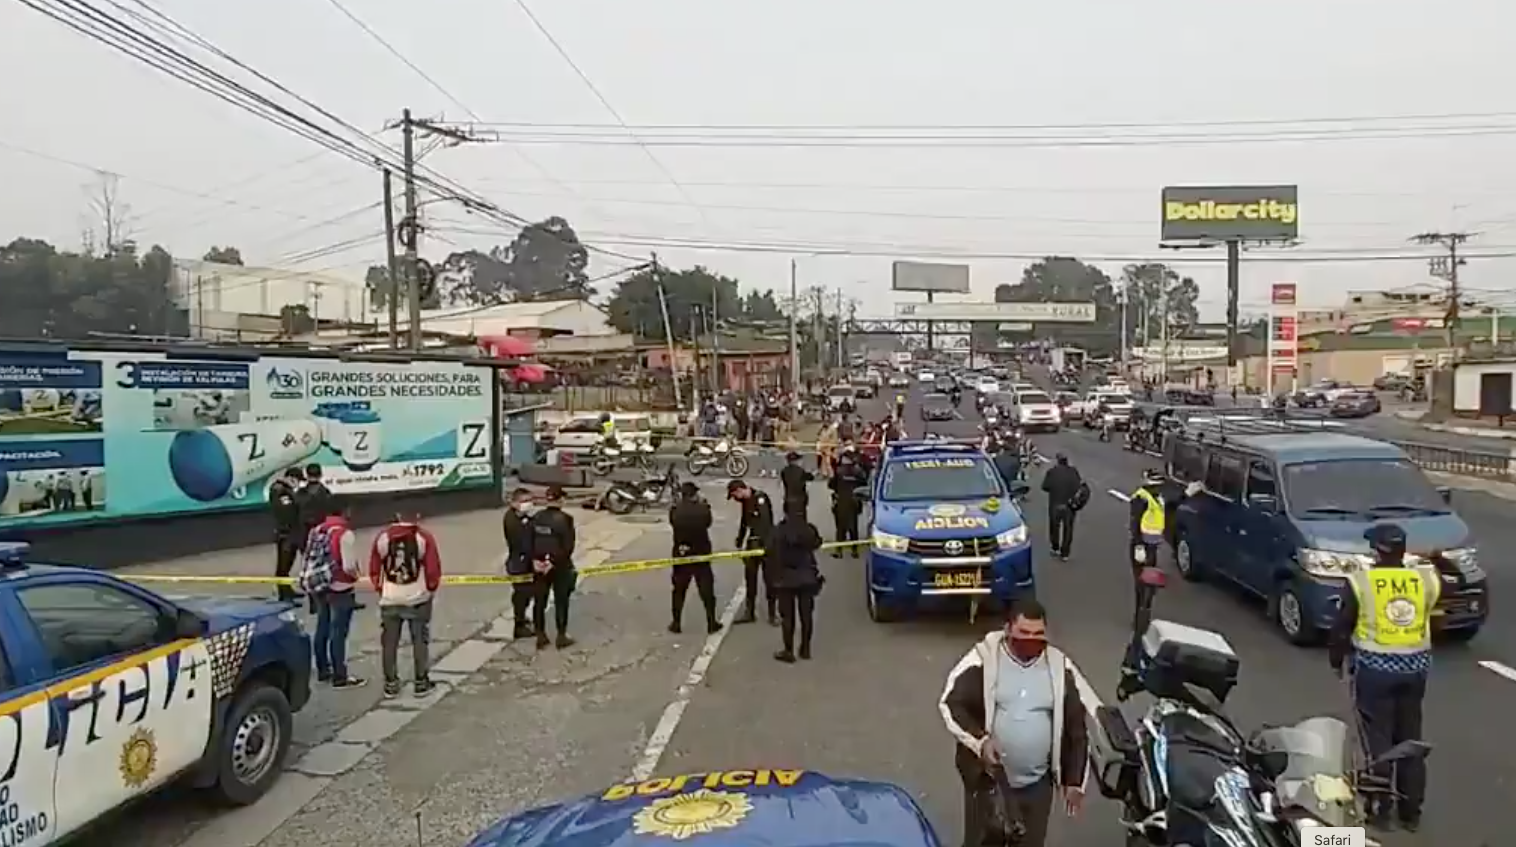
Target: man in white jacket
[[1013, 706]]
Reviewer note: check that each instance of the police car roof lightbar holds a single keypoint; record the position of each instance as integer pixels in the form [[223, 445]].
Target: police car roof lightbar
[[13, 553]]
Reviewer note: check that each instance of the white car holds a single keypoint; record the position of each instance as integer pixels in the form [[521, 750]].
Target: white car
[[1037, 410], [1118, 405], [926, 377], [987, 385], [899, 380]]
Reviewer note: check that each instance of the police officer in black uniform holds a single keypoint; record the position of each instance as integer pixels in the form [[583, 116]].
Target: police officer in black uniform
[[753, 534], [518, 559], [849, 476], [553, 540], [797, 578], [690, 519], [794, 478], [289, 531]]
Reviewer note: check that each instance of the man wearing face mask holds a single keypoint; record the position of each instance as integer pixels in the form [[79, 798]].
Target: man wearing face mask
[[848, 477], [518, 559], [1013, 707], [753, 534]]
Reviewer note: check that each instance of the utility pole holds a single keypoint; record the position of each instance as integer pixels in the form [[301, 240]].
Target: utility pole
[[716, 374], [668, 332], [413, 228], [1446, 268], [1124, 296], [840, 361], [794, 338], [392, 289], [818, 327]]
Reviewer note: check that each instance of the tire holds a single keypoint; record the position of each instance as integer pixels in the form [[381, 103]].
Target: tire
[[879, 611], [617, 503], [736, 465], [602, 467], [694, 466], [1184, 561], [260, 716], [1458, 636], [1290, 618]]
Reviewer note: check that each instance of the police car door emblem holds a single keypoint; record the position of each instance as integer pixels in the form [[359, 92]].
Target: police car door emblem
[[139, 758], [953, 548], [687, 815]]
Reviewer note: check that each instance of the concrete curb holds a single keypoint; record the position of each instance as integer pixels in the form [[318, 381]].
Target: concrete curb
[[1471, 431]]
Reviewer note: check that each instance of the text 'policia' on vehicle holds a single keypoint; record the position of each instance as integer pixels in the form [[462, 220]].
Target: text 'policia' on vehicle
[[113, 692], [943, 524]]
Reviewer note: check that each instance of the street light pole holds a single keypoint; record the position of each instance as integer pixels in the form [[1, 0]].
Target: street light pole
[[794, 338]]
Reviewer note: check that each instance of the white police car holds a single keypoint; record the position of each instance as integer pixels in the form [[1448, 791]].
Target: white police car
[[109, 691]]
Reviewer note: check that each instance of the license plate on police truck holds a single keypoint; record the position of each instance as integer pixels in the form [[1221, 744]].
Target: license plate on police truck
[[956, 579]]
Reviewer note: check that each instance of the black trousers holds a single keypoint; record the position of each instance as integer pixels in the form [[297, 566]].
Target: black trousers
[[999, 816], [847, 529], [286, 550], [1061, 528], [522, 596], [797, 605], [752, 569], [705, 585], [557, 583], [1389, 712]]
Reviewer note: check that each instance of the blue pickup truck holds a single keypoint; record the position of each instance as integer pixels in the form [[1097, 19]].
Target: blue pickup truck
[[108, 691], [943, 524]]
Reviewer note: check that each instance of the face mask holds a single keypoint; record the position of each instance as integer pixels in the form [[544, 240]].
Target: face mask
[[1026, 649], [524, 508]]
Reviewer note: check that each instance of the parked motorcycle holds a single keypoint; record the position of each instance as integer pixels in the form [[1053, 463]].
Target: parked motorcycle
[[608, 457], [622, 497], [723, 454]]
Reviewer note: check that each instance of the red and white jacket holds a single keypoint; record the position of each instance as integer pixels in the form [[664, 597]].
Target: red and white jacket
[[418, 592], [344, 550]]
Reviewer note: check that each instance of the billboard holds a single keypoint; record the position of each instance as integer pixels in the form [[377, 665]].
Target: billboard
[[998, 312], [86, 436], [1283, 294], [1230, 213], [929, 276]]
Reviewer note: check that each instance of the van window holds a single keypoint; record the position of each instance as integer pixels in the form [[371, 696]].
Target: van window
[[81, 624], [1261, 480], [638, 424], [1188, 461], [1223, 476]]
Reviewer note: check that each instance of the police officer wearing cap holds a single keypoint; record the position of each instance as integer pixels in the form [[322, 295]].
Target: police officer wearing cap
[[754, 533], [848, 476], [1385, 628], [553, 539], [794, 478], [690, 519], [289, 529], [1149, 519]]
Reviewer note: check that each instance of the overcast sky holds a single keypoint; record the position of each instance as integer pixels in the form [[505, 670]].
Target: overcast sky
[[198, 172]]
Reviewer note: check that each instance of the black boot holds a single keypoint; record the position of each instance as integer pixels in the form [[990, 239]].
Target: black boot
[[747, 615], [543, 641], [522, 629], [712, 626], [785, 656], [805, 650], [773, 613]]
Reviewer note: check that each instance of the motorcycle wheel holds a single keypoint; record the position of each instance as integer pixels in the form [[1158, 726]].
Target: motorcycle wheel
[[603, 467], [736, 465], [694, 465], [646, 462], [617, 503]]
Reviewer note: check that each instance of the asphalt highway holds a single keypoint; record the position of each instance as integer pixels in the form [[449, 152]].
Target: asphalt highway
[[867, 704]]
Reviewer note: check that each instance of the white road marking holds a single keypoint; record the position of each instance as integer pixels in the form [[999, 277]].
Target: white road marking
[[1125, 498], [663, 733], [1499, 669]]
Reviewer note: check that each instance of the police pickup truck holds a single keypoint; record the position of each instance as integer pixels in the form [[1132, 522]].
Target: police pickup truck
[[109, 691], [943, 524]]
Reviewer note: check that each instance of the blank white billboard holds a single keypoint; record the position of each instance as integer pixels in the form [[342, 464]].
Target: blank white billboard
[[928, 276]]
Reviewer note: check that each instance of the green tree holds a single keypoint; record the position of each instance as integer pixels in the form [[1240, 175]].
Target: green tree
[[761, 307], [376, 280], [1065, 279], [57, 294], [224, 255], [296, 319], [635, 305], [1156, 291], [544, 262]]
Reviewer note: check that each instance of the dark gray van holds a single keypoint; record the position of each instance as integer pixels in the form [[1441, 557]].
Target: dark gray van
[[1284, 511]]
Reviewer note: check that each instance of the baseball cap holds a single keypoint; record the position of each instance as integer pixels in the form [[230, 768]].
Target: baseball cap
[[733, 487], [689, 489], [554, 493]]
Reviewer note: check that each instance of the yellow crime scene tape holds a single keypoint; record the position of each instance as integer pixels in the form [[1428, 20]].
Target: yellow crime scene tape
[[606, 569]]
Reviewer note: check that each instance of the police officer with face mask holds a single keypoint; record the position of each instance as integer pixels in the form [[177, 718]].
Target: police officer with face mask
[[553, 540], [1384, 627], [518, 559], [690, 519], [849, 477], [753, 534]]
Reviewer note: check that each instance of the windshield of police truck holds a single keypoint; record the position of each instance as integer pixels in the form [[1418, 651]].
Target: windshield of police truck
[[955, 478], [1359, 489]]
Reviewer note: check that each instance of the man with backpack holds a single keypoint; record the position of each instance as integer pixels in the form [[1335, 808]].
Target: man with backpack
[[406, 569], [328, 577]]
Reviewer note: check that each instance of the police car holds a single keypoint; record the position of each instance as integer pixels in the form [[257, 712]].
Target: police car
[[110, 691], [943, 524]]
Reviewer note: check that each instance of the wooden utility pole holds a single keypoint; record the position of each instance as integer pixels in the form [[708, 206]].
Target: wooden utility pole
[[1446, 268], [412, 227]]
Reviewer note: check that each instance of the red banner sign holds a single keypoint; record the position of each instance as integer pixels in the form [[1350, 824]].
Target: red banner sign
[[1284, 369], [1284, 328], [1283, 294], [1408, 325], [1283, 353]]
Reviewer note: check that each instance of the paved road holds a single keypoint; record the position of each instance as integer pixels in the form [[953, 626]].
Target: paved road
[[525, 728]]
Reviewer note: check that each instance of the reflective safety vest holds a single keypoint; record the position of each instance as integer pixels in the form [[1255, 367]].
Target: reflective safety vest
[[1394, 609], [607, 429], [1154, 519]]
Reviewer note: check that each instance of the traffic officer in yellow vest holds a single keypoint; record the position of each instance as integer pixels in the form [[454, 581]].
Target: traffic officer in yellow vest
[[1149, 519], [1385, 626]]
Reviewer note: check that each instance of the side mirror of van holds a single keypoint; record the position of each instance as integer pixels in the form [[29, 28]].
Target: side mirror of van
[[1019, 490], [1446, 493], [1266, 503]]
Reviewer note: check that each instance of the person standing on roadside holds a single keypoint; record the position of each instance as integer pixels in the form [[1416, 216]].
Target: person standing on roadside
[[518, 560], [753, 534], [330, 571], [690, 519], [849, 477], [1013, 707], [795, 478], [826, 448], [1065, 489], [289, 530], [553, 540], [405, 567], [797, 578]]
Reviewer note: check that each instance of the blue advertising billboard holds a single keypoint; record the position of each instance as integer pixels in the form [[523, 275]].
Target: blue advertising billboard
[[90, 435]]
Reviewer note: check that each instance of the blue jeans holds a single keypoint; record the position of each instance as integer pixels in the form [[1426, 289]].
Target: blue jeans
[[334, 617]]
